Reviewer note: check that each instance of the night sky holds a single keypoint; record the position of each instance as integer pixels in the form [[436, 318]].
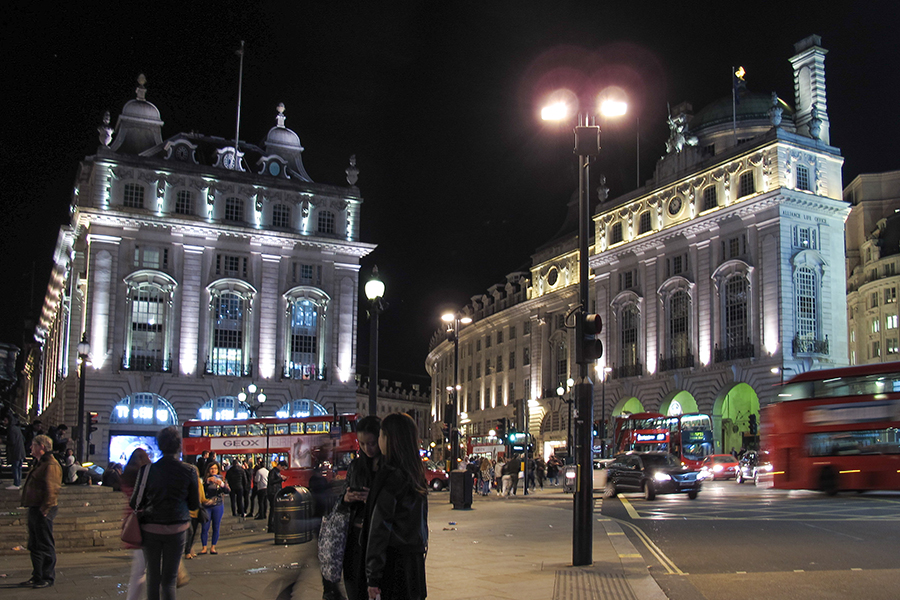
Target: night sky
[[438, 100]]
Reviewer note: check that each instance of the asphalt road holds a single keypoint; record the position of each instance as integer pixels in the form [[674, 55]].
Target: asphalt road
[[740, 541]]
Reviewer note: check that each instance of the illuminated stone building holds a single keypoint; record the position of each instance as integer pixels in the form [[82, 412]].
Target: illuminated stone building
[[873, 267], [716, 279], [194, 269]]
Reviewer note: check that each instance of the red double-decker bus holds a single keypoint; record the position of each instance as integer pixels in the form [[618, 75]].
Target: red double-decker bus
[[836, 429], [302, 442], [688, 437]]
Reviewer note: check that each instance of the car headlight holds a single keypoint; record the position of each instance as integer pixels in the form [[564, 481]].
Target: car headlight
[[660, 476], [717, 468], [766, 467]]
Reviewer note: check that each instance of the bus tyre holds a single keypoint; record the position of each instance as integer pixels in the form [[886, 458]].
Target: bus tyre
[[649, 491], [610, 490], [693, 494], [828, 482]]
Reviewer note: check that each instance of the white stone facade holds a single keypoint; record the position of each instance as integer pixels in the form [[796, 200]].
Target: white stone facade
[[718, 278], [192, 275], [873, 268]]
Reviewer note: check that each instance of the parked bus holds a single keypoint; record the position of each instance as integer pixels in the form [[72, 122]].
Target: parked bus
[[836, 429], [688, 437], [302, 442]]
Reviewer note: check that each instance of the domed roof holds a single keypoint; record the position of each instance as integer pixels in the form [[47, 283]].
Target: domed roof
[[140, 109], [282, 136], [753, 106]]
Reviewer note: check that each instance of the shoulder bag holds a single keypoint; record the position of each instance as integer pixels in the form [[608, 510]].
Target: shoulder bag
[[131, 526], [333, 541]]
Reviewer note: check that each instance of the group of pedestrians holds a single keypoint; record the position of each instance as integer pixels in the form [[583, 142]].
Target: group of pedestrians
[[503, 474]]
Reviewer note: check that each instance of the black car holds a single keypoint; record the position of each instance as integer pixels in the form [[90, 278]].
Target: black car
[[650, 473]]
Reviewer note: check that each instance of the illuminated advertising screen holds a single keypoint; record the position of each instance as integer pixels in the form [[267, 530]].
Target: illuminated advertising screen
[[122, 445]]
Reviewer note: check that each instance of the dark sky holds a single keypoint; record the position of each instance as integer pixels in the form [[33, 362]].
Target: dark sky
[[438, 100]]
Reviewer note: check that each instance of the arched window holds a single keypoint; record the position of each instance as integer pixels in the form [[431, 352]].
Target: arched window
[[229, 351], [144, 409], [301, 408], [305, 337], [746, 185], [628, 328], [148, 339], [679, 325], [223, 408], [736, 312]]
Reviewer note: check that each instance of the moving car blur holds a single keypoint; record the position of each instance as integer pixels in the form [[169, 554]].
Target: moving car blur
[[719, 466], [650, 473]]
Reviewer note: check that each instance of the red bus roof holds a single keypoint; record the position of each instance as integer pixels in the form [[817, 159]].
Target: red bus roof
[[854, 371]]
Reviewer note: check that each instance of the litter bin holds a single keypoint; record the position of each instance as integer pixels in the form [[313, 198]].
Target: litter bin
[[570, 479], [293, 516], [461, 484]]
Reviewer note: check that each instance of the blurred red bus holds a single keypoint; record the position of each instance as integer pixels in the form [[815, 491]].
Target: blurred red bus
[[836, 429], [688, 437], [302, 442]]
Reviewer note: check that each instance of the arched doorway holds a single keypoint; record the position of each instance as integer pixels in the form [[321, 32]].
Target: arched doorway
[[732, 412], [628, 405], [133, 424], [678, 403]]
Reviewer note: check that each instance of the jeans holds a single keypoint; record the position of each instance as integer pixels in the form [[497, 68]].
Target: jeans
[[17, 472], [237, 502], [485, 487], [215, 520], [41, 544], [138, 580], [263, 500], [162, 552]]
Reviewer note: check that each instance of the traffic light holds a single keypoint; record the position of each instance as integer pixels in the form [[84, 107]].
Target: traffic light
[[501, 429], [591, 346], [94, 420], [754, 427]]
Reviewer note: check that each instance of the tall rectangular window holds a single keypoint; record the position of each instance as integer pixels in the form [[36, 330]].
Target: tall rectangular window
[[499, 363], [512, 332], [803, 178], [679, 324], [746, 185], [615, 233], [281, 216], [148, 315], [710, 198], [234, 209], [304, 363], [499, 336], [133, 196], [325, 222], [228, 335], [184, 202], [807, 304], [890, 295], [512, 360], [629, 333], [526, 356], [736, 318], [644, 223], [526, 328]]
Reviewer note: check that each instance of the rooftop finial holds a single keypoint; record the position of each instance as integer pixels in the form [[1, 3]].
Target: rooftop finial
[[352, 171], [141, 91], [280, 117], [105, 130]]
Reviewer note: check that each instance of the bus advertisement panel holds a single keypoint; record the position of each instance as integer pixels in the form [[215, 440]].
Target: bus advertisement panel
[[302, 442], [836, 429]]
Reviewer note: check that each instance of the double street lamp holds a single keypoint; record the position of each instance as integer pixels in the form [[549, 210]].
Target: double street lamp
[[587, 147], [454, 322], [562, 392], [253, 397], [375, 294]]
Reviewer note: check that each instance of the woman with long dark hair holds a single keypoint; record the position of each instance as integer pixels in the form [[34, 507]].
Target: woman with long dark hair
[[215, 488], [396, 526]]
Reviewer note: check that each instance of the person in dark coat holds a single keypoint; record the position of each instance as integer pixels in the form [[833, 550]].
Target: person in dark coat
[[236, 478], [396, 525], [40, 494], [360, 477], [15, 449], [275, 481]]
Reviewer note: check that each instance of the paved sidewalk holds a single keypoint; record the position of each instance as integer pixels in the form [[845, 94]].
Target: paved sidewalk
[[500, 549]]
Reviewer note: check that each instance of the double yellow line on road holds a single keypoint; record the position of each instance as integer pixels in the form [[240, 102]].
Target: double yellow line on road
[[665, 561]]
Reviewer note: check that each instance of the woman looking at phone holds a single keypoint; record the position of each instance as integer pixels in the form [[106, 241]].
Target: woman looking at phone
[[396, 525], [360, 476]]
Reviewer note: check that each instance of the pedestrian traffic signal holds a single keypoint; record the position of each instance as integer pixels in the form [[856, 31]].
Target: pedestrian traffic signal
[[591, 346], [94, 420]]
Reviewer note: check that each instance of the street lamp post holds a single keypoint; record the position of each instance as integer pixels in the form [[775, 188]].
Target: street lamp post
[[587, 147], [84, 351], [253, 397], [375, 293], [454, 321], [605, 374], [561, 392]]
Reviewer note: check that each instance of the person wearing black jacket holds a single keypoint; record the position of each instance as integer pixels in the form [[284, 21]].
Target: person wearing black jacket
[[396, 524], [274, 483], [171, 492], [237, 479], [360, 477]]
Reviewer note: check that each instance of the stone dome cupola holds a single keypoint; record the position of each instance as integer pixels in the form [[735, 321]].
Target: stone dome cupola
[[139, 126], [285, 143]]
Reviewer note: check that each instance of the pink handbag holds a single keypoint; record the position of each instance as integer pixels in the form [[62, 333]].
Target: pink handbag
[[131, 526]]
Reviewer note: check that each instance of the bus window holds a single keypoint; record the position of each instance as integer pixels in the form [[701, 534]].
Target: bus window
[[317, 427], [213, 431], [280, 429], [229, 431], [242, 430], [297, 428], [195, 431], [256, 429]]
